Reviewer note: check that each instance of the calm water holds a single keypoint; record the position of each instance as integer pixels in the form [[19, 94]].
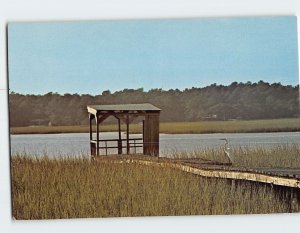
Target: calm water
[[78, 143]]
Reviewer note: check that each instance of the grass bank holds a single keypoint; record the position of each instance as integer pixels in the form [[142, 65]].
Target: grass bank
[[80, 188], [277, 156], [201, 127]]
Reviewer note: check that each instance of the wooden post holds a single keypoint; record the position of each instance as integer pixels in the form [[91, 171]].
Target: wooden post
[[120, 139], [134, 146], [97, 132], [143, 130], [91, 134], [127, 134], [143, 149], [151, 135], [91, 129]]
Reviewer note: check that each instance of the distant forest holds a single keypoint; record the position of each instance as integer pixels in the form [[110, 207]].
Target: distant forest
[[215, 102]]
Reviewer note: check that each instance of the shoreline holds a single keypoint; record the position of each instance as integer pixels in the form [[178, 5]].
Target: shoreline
[[214, 132], [200, 127]]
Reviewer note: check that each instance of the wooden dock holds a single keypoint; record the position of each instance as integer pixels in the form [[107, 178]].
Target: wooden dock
[[287, 177]]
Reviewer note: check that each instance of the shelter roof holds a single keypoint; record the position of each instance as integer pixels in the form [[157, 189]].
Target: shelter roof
[[123, 107]]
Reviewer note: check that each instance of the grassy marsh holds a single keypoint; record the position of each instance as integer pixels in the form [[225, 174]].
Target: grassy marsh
[[45, 188], [277, 156]]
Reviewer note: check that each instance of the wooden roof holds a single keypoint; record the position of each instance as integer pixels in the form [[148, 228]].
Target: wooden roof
[[122, 107]]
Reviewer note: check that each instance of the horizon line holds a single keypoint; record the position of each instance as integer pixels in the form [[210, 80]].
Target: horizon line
[[158, 88]]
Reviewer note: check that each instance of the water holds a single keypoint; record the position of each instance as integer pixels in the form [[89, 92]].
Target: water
[[78, 143]]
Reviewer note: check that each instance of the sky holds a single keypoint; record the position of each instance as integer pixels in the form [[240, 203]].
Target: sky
[[89, 57]]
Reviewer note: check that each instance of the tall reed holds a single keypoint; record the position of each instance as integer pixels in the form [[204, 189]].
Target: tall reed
[[45, 188], [277, 156]]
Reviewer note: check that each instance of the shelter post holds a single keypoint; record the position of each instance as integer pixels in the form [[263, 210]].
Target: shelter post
[[151, 135], [97, 133], [120, 138], [92, 144], [127, 135]]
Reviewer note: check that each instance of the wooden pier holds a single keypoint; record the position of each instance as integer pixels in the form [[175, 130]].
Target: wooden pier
[[283, 182], [285, 177]]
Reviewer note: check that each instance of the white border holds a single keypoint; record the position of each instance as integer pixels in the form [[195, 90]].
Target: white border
[[59, 10]]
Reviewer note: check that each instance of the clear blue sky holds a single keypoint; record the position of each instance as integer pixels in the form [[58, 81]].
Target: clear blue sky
[[89, 57]]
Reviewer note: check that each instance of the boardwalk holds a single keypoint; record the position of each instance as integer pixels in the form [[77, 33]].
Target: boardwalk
[[276, 176]]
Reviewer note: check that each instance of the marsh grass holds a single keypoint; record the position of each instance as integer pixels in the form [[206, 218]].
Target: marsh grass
[[44, 188], [243, 126], [276, 156]]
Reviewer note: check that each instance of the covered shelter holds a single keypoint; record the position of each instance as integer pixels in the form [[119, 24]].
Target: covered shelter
[[126, 113]]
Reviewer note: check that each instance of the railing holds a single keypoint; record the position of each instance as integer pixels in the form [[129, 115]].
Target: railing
[[133, 143]]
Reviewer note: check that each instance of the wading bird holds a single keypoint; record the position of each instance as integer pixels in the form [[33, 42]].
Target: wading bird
[[227, 150]]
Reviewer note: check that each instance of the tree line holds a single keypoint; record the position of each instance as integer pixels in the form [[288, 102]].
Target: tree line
[[245, 101]]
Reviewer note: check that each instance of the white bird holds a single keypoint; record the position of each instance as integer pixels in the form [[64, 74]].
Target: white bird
[[227, 150]]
